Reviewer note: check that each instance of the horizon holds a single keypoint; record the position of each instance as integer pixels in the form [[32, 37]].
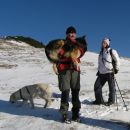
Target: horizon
[[47, 20]]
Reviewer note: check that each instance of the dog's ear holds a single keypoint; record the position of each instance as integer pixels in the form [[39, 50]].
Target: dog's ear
[[84, 36]]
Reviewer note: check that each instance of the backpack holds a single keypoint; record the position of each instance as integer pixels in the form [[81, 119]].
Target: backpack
[[113, 61]]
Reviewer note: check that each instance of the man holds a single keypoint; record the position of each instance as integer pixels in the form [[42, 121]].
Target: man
[[106, 73], [69, 78]]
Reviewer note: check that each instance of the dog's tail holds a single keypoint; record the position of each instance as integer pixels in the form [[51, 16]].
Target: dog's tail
[[53, 46], [47, 52]]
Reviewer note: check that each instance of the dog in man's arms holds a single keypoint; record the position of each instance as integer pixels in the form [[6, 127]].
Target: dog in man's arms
[[32, 91], [53, 48]]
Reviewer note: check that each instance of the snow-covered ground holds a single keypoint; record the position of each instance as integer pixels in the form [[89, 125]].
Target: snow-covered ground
[[26, 65]]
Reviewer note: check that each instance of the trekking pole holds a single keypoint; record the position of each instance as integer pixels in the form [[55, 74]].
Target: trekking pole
[[116, 99], [121, 95]]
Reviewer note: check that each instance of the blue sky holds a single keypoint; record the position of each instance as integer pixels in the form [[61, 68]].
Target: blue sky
[[45, 20]]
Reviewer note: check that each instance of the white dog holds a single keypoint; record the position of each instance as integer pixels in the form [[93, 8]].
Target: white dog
[[32, 91]]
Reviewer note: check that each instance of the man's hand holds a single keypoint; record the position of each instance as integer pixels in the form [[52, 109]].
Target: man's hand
[[76, 64]]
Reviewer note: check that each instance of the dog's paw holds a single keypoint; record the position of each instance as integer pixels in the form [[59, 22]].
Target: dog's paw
[[76, 65]]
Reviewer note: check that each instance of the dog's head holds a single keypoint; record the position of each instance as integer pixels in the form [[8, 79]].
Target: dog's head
[[12, 98], [82, 42]]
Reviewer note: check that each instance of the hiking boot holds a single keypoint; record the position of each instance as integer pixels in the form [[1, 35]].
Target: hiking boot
[[76, 118], [109, 103], [65, 119], [96, 102]]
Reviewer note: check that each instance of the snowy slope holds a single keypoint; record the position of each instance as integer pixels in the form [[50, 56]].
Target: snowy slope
[[25, 65]]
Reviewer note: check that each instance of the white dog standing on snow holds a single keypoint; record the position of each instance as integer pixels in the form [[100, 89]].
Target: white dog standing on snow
[[32, 91]]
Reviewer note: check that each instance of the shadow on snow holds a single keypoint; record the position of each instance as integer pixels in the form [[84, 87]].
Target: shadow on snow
[[53, 114]]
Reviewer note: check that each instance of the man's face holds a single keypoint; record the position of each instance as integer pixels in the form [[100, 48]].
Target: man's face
[[71, 35]]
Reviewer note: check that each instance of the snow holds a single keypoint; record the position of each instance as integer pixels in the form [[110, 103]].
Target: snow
[[25, 65], [19, 43]]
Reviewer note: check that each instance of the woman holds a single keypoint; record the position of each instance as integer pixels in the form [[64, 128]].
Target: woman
[[106, 72]]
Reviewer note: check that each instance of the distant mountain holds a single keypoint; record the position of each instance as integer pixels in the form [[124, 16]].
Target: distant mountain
[[27, 40]]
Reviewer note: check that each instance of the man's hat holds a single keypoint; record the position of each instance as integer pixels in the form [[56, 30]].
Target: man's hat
[[70, 29]]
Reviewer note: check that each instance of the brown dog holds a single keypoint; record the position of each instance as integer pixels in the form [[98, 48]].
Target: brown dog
[[71, 51]]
